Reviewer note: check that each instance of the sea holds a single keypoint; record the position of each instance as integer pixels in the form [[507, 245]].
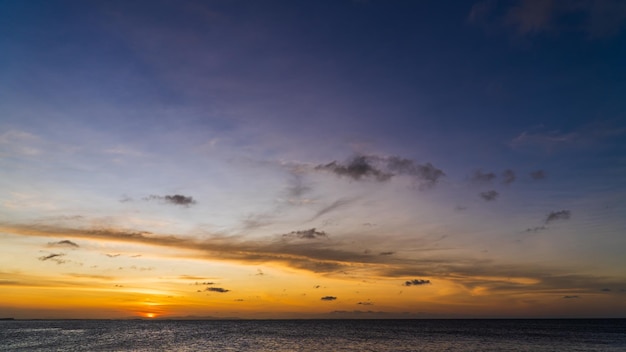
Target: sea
[[314, 335]]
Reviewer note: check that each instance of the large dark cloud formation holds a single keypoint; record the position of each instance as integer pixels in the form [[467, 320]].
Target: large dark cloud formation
[[381, 168]]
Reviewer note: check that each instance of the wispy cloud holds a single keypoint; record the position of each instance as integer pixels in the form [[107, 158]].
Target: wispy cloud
[[489, 196], [55, 257], [217, 289], [527, 18], [482, 177], [558, 215], [337, 257], [570, 297], [538, 175], [508, 176], [63, 244], [332, 207], [548, 141]]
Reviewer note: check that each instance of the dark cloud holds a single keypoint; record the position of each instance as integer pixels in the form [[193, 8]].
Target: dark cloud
[[538, 175], [176, 199], [416, 282], [112, 255], [366, 303], [357, 168], [558, 215], [64, 243], [328, 298], [570, 297], [386, 253], [55, 257], [605, 290], [306, 234], [489, 195], [217, 289], [382, 169], [508, 176], [536, 229], [482, 177], [427, 174]]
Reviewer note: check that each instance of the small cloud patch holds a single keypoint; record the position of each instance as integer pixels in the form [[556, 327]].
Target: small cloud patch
[[306, 234], [508, 176], [558, 215], [176, 199], [64, 243], [55, 257], [538, 175], [217, 289], [482, 177], [489, 196], [417, 282], [328, 298]]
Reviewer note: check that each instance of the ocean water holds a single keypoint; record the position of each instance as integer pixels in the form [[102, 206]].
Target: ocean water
[[314, 335]]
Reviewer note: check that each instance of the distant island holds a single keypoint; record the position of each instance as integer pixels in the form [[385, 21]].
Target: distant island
[[7, 318]]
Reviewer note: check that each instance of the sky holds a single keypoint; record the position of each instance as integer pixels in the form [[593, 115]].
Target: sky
[[312, 159]]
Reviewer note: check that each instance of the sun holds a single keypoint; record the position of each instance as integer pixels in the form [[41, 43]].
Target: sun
[[150, 315]]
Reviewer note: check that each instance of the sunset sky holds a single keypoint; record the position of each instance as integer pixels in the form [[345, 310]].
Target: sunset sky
[[312, 159]]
